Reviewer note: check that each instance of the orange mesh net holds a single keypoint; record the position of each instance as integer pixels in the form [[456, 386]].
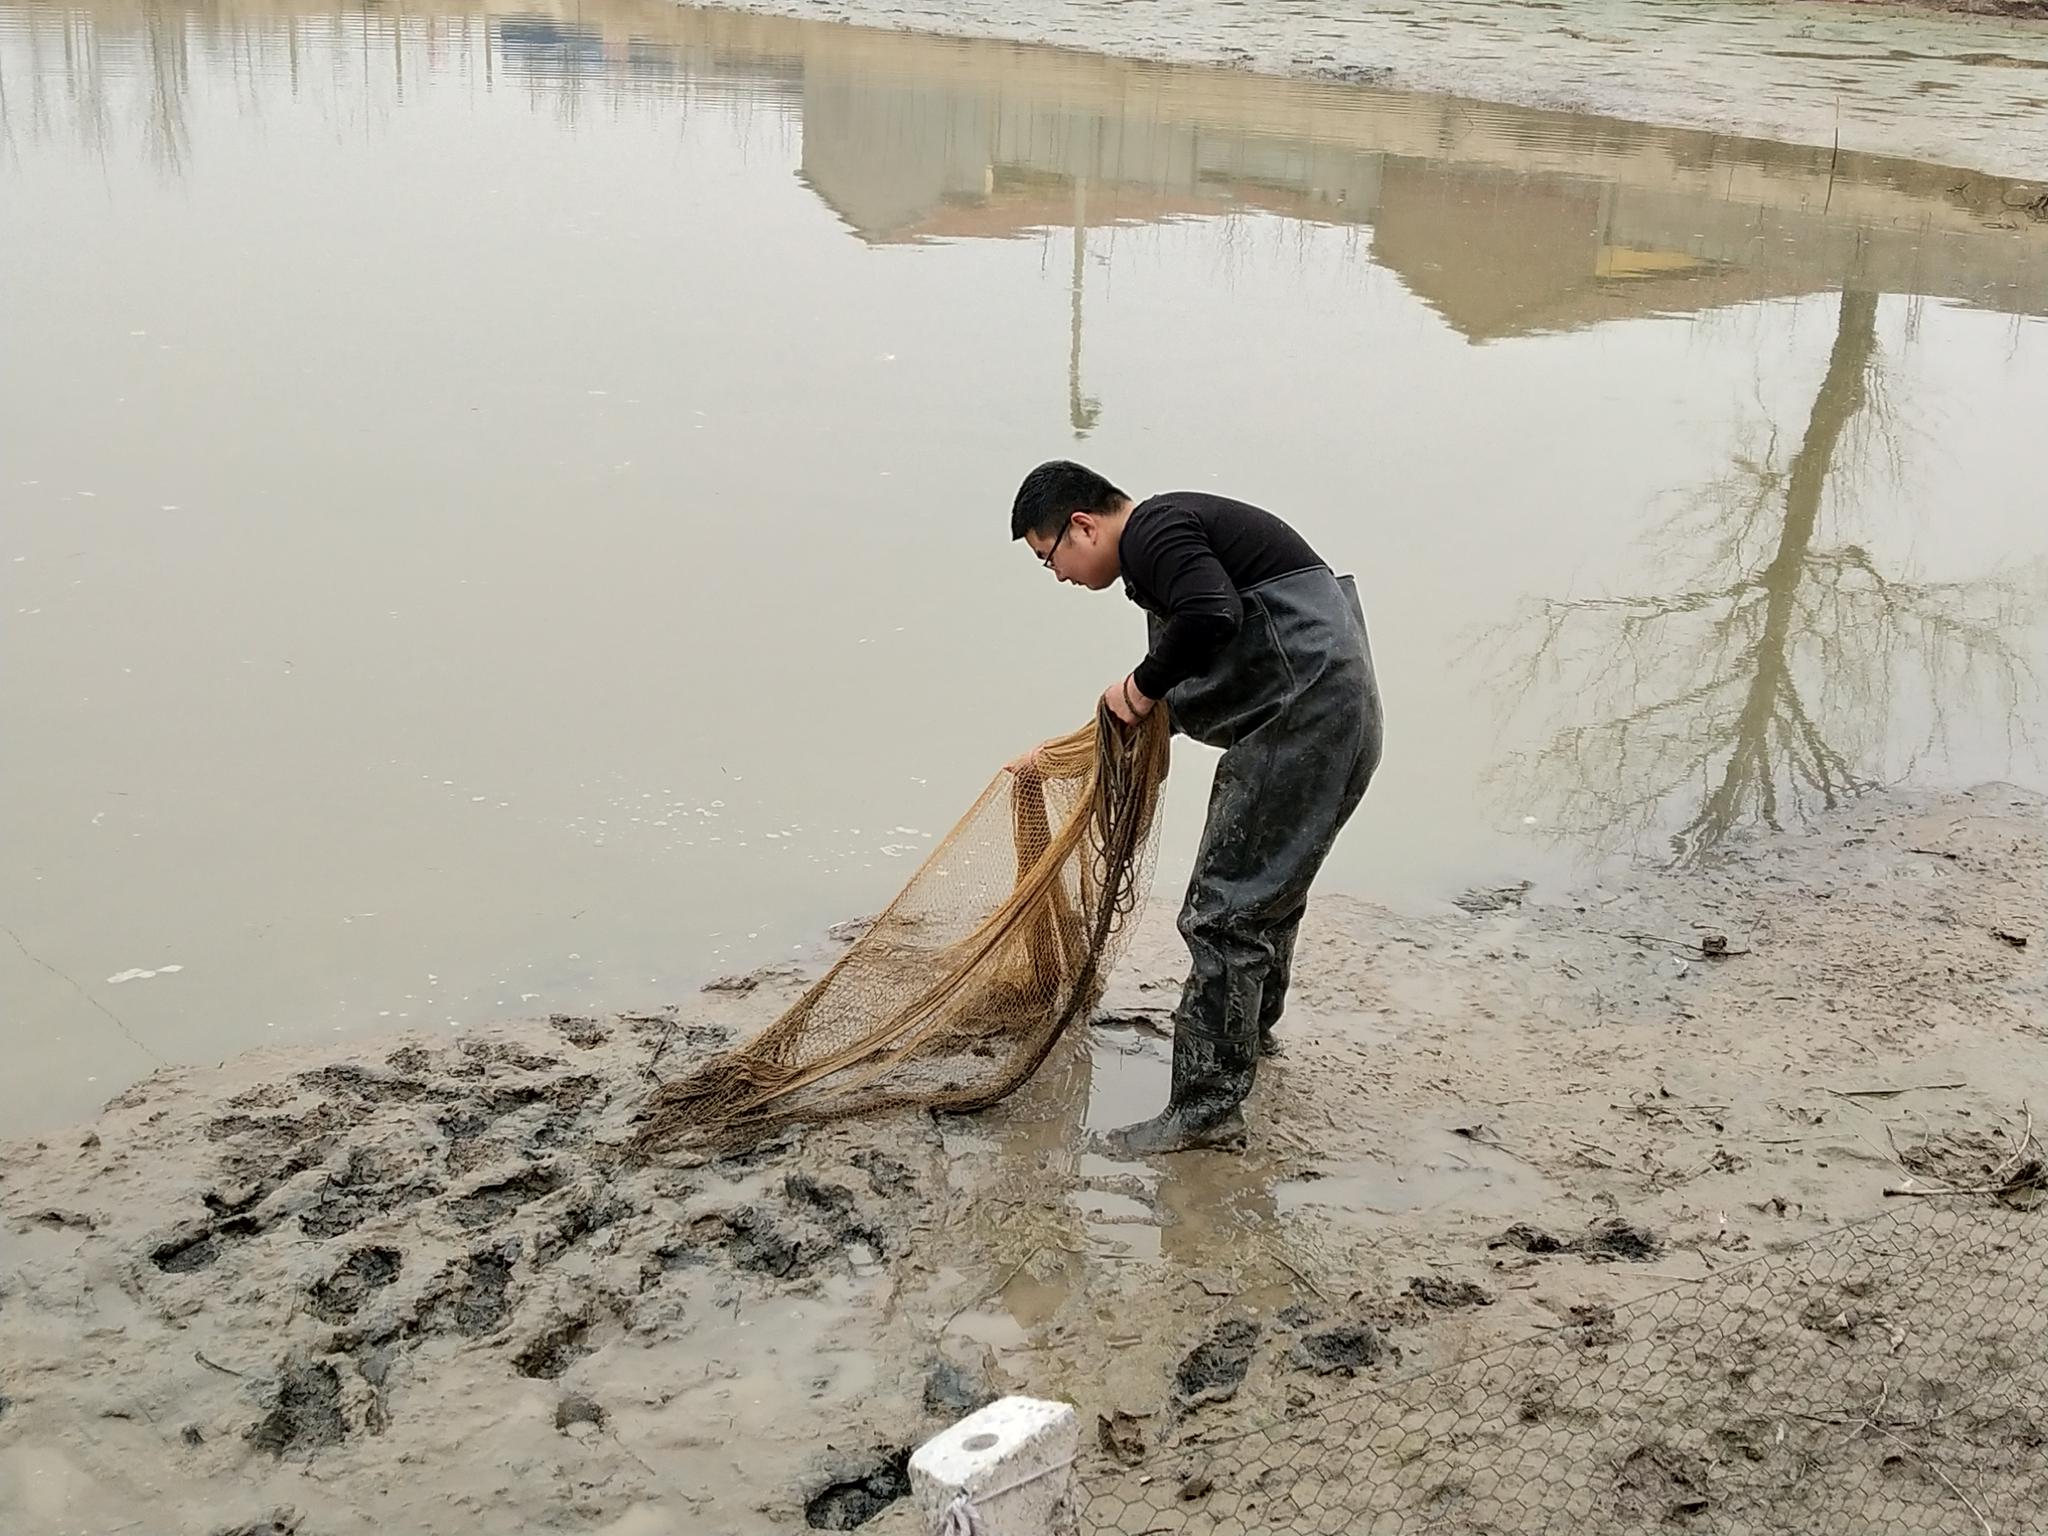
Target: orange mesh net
[[957, 992]]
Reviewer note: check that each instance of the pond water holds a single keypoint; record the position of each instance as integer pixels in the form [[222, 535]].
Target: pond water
[[506, 511]]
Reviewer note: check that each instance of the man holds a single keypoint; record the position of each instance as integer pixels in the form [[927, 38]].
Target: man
[[1257, 648]]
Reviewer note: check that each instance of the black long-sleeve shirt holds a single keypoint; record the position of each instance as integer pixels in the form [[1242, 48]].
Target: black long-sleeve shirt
[[1186, 555]]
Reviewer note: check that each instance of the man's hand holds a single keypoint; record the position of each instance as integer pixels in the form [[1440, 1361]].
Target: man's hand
[[1126, 702]]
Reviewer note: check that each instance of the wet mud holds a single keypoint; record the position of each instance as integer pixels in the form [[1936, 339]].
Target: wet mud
[[437, 1249]]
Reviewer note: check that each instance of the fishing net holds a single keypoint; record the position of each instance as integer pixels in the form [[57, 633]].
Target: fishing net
[[960, 988]]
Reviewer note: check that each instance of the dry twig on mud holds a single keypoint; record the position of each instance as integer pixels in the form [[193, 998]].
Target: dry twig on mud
[[1289, 1265], [661, 1046], [1001, 1285], [1713, 947], [1921, 1457], [2023, 1170]]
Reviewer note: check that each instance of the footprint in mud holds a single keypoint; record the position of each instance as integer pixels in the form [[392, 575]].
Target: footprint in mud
[[470, 1300], [494, 1054], [371, 1182], [492, 1202], [555, 1351], [753, 1242], [480, 1307], [1658, 1482], [307, 1412], [584, 1034], [581, 1220], [200, 1247], [335, 1299], [835, 1204], [681, 1253], [860, 1492], [281, 1130], [1548, 1401], [1215, 1368]]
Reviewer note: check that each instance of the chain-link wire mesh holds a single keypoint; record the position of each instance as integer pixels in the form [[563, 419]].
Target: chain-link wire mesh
[[1886, 1377]]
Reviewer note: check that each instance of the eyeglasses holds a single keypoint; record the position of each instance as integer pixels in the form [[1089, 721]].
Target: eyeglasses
[[1046, 558]]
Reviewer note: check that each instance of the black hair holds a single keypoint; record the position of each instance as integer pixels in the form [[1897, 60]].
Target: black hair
[[1052, 493]]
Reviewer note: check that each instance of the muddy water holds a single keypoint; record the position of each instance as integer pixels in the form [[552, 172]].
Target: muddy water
[[504, 512]]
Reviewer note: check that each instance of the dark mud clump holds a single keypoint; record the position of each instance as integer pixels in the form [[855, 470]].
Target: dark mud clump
[[1614, 1238], [1531, 1240], [554, 1351], [576, 1409], [1745, 1440], [279, 1522], [835, 1204], [1592, 1325], [1448, 1295], [855, 1498], [754, 1242], [1215, 1368], [954, 1392], [182, 1255], [307, 1413], [200, 1247], [1609, 1240], [885, 1174], [336, 1298], [1342, 1350]]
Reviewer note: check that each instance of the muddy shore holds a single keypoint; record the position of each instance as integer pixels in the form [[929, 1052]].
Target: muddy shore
[[413, 1289], [1959, 86]]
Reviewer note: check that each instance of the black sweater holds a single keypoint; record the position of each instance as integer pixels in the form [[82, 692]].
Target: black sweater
[[1186, 555]]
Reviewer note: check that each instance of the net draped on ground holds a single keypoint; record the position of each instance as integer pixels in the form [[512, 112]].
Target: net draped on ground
[[959, 989]]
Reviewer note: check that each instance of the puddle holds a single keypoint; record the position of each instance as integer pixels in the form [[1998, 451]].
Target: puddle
[[1129, 1074], [1002, 1331], [1558, 388], [1439, 1180]]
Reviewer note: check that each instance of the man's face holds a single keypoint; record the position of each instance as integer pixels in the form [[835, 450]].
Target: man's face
[[1081, 553]]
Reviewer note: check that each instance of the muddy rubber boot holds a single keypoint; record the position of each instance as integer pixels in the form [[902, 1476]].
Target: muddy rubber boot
[[1211, 1076], [1200, 1125], [1274, 998]]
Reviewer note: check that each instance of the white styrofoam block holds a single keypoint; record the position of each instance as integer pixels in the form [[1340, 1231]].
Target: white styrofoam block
[[1014, 1460]]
